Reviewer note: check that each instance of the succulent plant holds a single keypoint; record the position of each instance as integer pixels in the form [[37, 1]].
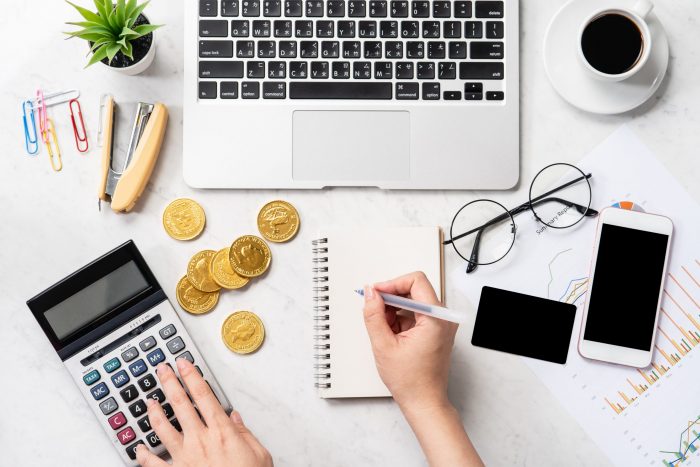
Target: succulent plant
[[111, 29]]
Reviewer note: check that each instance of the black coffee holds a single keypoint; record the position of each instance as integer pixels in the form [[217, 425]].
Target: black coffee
[[612, 43]]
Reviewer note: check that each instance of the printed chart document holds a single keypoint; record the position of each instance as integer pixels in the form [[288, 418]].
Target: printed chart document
[[640, 417]]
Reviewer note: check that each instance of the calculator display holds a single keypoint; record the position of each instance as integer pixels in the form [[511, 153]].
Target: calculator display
[[96, 300]]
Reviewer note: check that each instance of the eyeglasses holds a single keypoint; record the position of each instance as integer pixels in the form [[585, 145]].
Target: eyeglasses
[[483, 231]]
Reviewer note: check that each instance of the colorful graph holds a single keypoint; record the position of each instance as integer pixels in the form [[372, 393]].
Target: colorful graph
[[689, 442], [629, 205]]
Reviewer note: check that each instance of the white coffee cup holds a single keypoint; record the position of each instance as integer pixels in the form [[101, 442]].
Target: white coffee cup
[[637, 14]]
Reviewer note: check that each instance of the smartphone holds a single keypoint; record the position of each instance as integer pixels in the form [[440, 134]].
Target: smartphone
[[630, 256]]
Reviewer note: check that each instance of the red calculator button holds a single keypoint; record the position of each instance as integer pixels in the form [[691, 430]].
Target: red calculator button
[[117, 420], [126, 435]]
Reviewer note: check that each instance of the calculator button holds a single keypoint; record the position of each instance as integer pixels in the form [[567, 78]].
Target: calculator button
[[147, 343], [130, 354], [112, 365], [176, 424], [117, 420], [153, 439], [156, 357], [167, 332], [186, 356], [131, 450], [129, 393], [199, 370], [145, 424], [99, 391], [168, 409], [175, 345], [138, 367], [108, 406], [147, 383], [91, 377], [138, 408], [156, 395], [127, 435], [120, 379]]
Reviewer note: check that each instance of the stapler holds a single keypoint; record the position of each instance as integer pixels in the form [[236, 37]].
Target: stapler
[[122, 189]]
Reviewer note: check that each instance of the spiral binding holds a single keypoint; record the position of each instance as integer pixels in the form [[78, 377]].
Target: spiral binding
[[322, 348]]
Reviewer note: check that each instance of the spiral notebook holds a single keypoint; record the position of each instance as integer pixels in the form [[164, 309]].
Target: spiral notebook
[[345, 260]]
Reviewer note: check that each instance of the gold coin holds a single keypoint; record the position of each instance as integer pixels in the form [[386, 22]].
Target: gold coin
[[198, 271], [250, 256], [222, 272], [195, 301], [278, 221], [183, 219], [243, 332]]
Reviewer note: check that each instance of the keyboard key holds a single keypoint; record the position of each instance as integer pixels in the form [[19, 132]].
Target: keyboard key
[[473, 29], [91, 377], [339, 90], [486, 50], [457, 50], [275, 70], [153, 439], [308, 49], [250, 90], [420, 9], [100, 391], [377, 9], [112, 365], [244, 49], [341, 70], [167, 332], [495, 96], [473, 96], [431, 91], [481, 70], [158, 395], [447, 70], [453, 30], [368, 29], [383, 70], [176, 424], [250, 8], [217, 69], [373, 49], [436, 50], [168, 410], [208, 7], [335, 9], [399, 9], [117, 420], [199, 370], [404, 70], [126, 436], [431, 29], [473, 87], [282, 28], [494, 30], [325, 28], [410, 29], [442, 9], [138, 408], [274, 90], [144, 424], [452, 95], [215, 49], [357, 9], [229, 90], [131, 450], [120, 379], [415, 50], [330, 49], [346, 29], [426, 70], [292, 8], [155, 357], [230, 7], [262, 28], [362, 70], [298, 70], [304, 28], [150, 342], [489, 9], [287, 49], [213, 28], [139, 366], [407, 91], [389, 29], [319, 70], [147, 383], [108, 406], [272, 8], [314, 9], [393, 49], [352, 49], [267, 49], [240, 28], [463, 9], [129, 393], [207, 90]]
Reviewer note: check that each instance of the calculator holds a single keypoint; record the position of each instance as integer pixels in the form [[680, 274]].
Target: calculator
[[111, 324]]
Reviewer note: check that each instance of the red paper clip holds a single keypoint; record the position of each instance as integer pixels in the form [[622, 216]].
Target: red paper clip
[[79, 140]]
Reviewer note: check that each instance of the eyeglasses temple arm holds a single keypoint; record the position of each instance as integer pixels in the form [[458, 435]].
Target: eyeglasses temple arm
[[474, 257]]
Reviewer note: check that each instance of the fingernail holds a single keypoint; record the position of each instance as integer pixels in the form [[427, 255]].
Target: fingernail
[[237, 417], [151, 402], [160, 368], [140, 447], [369, 292], [181, 363]]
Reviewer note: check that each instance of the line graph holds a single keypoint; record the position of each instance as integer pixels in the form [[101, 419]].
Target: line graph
[[684, 445]]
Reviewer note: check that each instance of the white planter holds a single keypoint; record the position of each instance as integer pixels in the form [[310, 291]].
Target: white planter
[[140, 66]]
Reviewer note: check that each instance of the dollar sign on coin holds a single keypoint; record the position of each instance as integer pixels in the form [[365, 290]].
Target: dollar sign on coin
[[183, 219], [250, 256], [243, 332]]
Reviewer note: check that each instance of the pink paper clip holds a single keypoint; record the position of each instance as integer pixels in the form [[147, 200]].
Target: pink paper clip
[[81, 141], [41, 109]]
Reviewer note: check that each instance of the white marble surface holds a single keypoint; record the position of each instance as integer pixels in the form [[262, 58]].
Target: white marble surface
[[51, 225]]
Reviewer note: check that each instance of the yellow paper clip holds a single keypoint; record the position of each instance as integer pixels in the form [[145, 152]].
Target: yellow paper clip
[[54, 151]]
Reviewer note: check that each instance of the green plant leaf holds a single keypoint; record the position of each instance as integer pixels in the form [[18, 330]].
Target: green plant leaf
[[99, 54], [123, 41], [128, 50], [85, 13], [88, 37], [101, 30], [128, 33], [84, 24], [130, 7], [144, 29], [99, 43], [137, 11], [100, 5], [113, 22], [121, 12], [112, 50]]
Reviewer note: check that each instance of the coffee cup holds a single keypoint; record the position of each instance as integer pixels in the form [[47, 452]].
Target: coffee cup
[[615, 42]]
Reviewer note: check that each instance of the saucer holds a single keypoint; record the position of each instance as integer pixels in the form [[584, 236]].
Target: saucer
[[574, 83]]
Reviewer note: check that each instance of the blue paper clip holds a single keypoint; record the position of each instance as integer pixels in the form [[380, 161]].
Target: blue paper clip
[[28, 121]]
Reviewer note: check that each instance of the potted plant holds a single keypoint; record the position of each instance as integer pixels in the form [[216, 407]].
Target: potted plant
[[120, 36]]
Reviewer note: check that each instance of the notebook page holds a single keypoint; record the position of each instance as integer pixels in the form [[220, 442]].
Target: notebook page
[[356, 258]]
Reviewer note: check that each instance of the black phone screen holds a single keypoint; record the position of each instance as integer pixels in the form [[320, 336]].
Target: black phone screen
[[626, 286]]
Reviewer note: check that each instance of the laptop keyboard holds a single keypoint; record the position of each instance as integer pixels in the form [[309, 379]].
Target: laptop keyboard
[[352, 50]]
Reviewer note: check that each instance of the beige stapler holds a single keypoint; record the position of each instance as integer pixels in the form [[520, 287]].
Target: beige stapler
[[122, 189]]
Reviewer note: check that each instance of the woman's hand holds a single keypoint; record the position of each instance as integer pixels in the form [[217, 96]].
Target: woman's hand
[[217, 440]]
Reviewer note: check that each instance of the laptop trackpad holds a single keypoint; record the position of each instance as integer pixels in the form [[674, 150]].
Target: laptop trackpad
[[351, 146]]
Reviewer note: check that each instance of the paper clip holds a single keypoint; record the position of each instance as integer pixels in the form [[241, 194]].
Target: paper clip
[[57, 153], [77, 132], [41, 109], [57, 98], [29, 123]]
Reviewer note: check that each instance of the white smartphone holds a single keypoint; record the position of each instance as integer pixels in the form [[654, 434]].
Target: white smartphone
[[628, 270]]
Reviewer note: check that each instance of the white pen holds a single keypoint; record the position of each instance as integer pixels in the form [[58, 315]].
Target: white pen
[[418, 307]]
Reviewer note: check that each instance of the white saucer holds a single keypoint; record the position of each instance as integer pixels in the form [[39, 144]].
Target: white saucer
[[574, 83]]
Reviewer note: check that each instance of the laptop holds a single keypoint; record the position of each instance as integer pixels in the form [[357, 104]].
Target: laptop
[[388, 94]]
